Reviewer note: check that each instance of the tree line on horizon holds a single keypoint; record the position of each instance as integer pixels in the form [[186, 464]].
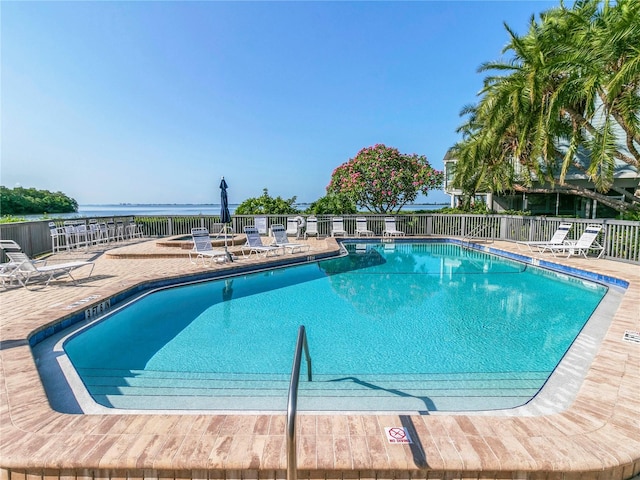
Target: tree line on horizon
[[31, 201]]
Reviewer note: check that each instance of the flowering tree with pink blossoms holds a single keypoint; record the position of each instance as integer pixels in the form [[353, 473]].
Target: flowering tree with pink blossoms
[[383, 180]]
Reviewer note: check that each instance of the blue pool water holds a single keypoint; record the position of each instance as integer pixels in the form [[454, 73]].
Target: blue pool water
[[390, 326]]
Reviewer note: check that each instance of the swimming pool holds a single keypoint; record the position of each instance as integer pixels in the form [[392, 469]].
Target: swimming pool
[[397, 326]]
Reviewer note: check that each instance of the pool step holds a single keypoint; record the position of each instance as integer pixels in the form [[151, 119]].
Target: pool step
[[133, 389]]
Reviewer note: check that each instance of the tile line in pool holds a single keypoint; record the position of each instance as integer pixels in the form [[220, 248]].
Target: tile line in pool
[[437, 273]]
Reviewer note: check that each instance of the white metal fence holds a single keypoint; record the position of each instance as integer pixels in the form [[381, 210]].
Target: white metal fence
[[621, 239]]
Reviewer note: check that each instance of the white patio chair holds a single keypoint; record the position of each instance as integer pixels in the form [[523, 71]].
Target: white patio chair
[[337, 227], [311, 228], [203, 249], [83, 235], [254, 244], [261, 225], [57, 237], [69, 237], [27, 269], [104, 232], [94, 236], [111, 228], [134, 230], [120, 231], [390, 229], [280, 239], [361, 228], [73, 237], [587, 242], [9, 245], [8, 269], [294, 226], [8, 273], [558, 238]]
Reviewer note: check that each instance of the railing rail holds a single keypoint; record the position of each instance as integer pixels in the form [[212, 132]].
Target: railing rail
[[621, 238], [292, 402]]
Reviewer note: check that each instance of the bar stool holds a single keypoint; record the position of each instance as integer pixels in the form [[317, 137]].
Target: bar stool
[[57, 235], [104, 232], [134, 230], [70, 235], [111, 229], [83, 235], [120, 231]]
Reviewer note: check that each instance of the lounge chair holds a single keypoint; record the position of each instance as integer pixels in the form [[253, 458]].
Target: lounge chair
[[390, 229], [337, 227], [9, 245], [27, 269], [586, 242], [203, 249], [8, 273], [312, 227], [254, 244], [8, 269], [294, 226], [361, 228], [558, 238], [280, 239], [261, 225]]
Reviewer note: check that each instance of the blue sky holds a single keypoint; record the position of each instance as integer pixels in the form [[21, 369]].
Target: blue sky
[[152, 102]]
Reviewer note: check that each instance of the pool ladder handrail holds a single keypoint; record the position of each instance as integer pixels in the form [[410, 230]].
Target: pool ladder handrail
[[474, 234], [301, 344]]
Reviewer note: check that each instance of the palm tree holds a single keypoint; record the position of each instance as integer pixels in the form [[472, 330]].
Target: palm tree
[[572, 84]]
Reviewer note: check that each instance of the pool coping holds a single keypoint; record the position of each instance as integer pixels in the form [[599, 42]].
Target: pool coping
[[596, 437]]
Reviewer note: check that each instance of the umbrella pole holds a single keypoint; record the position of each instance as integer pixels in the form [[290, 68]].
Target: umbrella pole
[[225, 217], [225, 230]]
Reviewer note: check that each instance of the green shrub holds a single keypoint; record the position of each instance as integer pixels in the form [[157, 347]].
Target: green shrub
[[332, 204], [267, 205], [30, 201]]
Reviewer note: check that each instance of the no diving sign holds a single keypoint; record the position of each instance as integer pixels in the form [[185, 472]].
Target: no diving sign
[[397, 435]]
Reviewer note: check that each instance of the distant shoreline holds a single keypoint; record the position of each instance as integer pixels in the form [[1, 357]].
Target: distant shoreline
[[174, 209], [215, 204]]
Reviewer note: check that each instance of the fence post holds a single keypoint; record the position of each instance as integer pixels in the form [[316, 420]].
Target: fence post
[[605, 239], [503, 228], [533, 229]]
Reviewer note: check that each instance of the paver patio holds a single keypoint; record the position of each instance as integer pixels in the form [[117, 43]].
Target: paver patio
[[596, 437]]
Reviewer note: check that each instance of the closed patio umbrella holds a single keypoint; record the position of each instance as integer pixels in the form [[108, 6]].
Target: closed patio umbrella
[[225, 216]]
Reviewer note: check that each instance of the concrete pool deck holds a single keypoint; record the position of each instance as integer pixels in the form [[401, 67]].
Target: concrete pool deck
[[596, 437]]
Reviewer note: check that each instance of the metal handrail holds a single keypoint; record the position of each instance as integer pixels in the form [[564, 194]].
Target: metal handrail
[[292, 468], [475, 233]]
